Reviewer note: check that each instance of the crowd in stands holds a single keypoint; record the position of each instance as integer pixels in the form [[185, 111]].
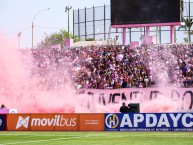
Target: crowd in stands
[[114, 67]]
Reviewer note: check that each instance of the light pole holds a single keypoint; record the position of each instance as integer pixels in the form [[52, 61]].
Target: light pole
[[116, 38], [189, 36], [33, 25], [67, 8]]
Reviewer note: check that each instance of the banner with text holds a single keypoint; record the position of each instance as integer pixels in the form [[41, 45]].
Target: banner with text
[[92, 122], [149, 122], [42, 122], [53, 122], [183, 96]]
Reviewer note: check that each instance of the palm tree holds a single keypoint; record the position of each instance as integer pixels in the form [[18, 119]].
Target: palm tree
[[188, 24]]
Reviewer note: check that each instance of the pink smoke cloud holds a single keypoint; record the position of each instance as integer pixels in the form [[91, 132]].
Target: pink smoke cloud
[[19, 90]]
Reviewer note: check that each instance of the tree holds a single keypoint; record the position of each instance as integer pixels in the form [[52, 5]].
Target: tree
[[57, 38], [90, 39], [188, 24]]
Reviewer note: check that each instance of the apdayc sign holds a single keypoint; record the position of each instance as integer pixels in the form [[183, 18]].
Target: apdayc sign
[[149, 122]]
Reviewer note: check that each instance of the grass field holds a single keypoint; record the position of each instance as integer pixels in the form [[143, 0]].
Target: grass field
[[96, 138]]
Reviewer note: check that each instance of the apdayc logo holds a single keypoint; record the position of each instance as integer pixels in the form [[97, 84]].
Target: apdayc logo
[[112, 121]]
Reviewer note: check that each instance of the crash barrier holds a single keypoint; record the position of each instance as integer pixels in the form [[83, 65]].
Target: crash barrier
[[97, 122]]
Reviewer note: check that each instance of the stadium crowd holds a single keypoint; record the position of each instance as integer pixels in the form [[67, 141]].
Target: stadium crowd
[[114, 67]]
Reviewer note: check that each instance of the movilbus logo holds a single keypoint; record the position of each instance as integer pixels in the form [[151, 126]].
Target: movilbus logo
[[23, 122]]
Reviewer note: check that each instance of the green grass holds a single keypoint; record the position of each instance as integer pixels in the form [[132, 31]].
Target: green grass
[[96, 138]]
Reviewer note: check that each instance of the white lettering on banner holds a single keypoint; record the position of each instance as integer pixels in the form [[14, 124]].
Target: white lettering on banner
[[126, 121], [184, 120], [175, 119], [66, 122], [153, 121], [163, 121], [44, 122], [1, 122], [58, 120], [92, 122], [138, 118], [148, 118]]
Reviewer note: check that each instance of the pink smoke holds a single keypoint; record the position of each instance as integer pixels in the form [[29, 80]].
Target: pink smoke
[[21, 91], [164, 104]]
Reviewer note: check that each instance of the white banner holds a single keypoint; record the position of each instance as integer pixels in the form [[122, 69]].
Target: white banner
[[150, 99]]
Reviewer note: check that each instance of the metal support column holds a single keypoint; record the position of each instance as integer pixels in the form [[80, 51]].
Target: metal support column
[[124, 36]]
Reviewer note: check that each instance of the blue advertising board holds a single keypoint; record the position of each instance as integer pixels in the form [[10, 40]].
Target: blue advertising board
[[149, 122], [3, 122]]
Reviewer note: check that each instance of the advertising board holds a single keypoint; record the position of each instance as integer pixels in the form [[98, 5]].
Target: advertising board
[[42, 122], [3, 122], [149, 122], [98, 122], [91, 122]]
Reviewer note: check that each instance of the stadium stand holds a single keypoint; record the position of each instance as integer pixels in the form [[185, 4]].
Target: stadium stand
[[112, 67]]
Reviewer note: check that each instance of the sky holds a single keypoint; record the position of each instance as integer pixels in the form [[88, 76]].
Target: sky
[[17, 15]]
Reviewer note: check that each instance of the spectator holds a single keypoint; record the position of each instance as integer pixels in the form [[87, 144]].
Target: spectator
[[2, 106], [107, 67], [123, 108]]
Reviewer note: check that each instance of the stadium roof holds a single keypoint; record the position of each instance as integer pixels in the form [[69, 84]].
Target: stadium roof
[[89, 43]]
